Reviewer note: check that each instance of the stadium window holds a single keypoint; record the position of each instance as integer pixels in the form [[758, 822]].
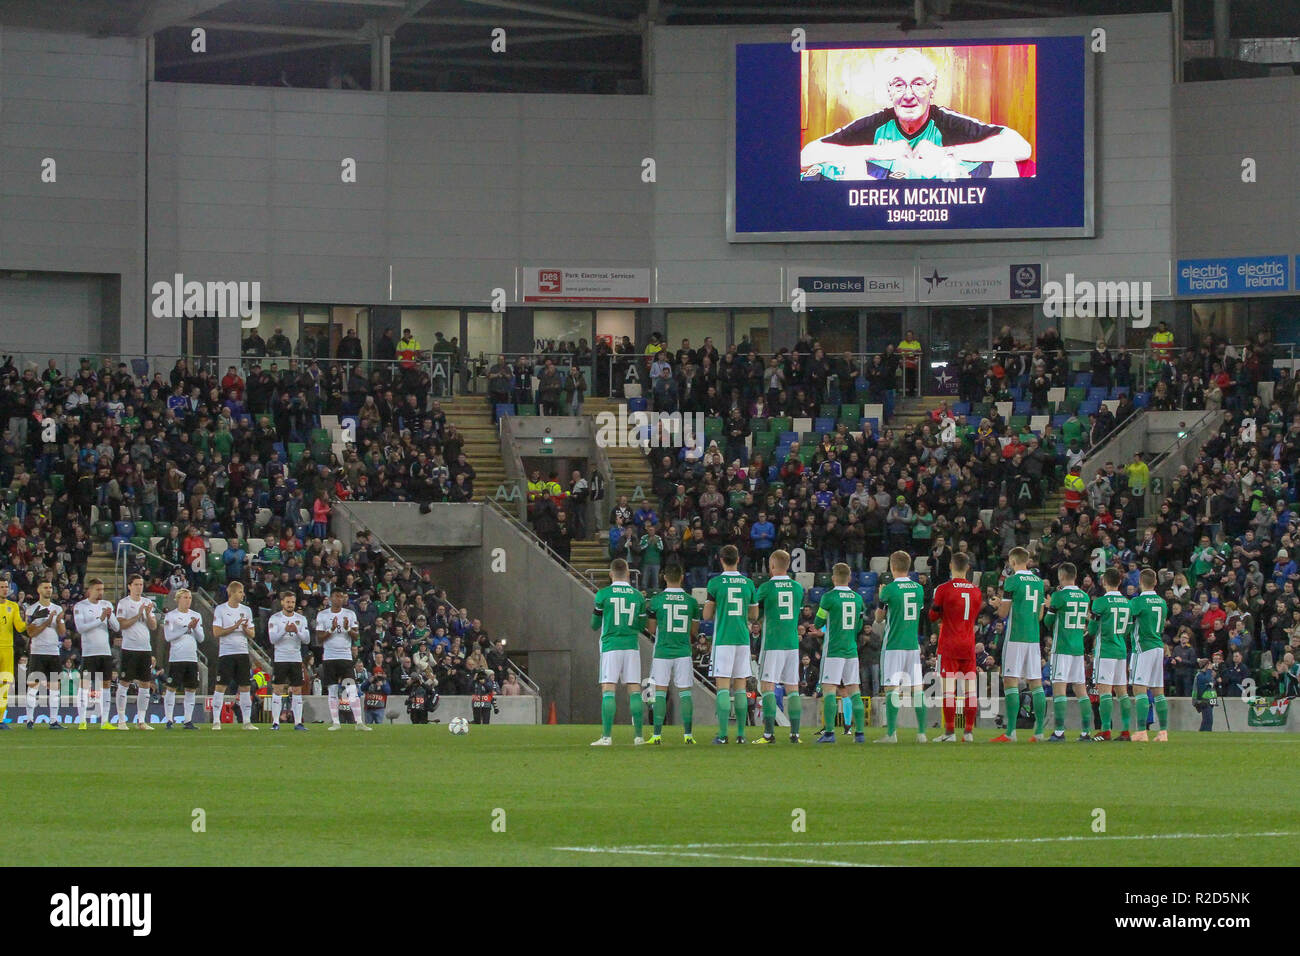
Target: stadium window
[[271, 318], [696, 325], [563, 327], [835, 329], [613, 324], [426, 323], [754, 326]]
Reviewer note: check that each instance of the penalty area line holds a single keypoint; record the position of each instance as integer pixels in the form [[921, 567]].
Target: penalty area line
[[978, 841], [695, 854]]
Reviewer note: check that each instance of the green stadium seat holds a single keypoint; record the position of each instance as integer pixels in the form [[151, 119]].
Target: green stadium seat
[[736, 499], [822, 579], [807, 453], [296, 450], [830, 411], [162, 528], [782, 424], [810, 438], [525, 409], [103, 530], [765, 441], [1018, 422], [713, 427], [850, 413], [56, 483], [758, 426], [140, 541], [144, 529]]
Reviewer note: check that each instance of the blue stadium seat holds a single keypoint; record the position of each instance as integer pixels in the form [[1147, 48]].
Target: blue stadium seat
[[1089, 408], [279, 447], [636, 405], [1059, 420], [125, 529], [117, 543], [773, 472], [1098, 393], [787, 438], [868, 579], [504, 409], [1017, 394], [1082, 379], [1142, 399], [1021, 408], [706, 627], [873, 424], [868, 596], [961, 408], [824, 425], [1119, 390], [814, 596]]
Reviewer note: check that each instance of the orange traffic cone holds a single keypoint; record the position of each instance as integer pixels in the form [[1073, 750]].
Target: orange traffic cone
[[550, 718]]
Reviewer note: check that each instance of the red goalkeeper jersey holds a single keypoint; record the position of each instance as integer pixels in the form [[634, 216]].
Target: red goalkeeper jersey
[[957, 605]]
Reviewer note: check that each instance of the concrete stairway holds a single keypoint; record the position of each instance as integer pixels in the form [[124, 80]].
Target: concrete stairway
[[911, 412], [472, 417]]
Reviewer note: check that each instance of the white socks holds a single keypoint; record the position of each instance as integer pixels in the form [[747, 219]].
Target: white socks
[[53, 691], [218, 701], [297, 709], [275, 709], [103, 705], [169, 706], [83, 702], [334, 702], [31, 704], [142, 706], [123, 692], [189, 706], [246, 705]]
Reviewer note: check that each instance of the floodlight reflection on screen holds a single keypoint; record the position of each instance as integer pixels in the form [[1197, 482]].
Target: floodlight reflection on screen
[[966, 139]]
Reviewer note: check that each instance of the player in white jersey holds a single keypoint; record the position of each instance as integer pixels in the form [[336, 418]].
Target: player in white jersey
[[45, 629], [288, 631], [232, 624], [135, 618], [94, 618], [336, 628], [183, 629]]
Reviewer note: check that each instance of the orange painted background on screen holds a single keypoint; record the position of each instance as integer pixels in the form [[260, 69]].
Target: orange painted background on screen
[[994, 84]]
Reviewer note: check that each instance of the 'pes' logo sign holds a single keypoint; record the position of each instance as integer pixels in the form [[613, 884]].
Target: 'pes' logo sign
[[550, 280]]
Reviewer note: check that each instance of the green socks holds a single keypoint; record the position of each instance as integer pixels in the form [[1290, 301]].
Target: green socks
[[637, 706], [724, 712], [1162, 712], [1126, 711], [1040, 710], [829, 701], [661, 708], [607, 706], [794, 708], [740, 704], [1143, 711], [769, 712], [891, 712], [1059, 703], [1085, 714], [1013, 709], [1105, 706], [859, 713], [688, 710], [918, 704]]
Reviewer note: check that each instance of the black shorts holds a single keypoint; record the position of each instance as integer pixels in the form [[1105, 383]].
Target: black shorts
[[100, 666], [287, 672], [336, 672], [234, 670], [183, 674], [46, 665], [137, 666]]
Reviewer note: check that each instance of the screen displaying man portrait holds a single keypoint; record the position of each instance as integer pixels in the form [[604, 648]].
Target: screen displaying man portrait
[[954, 112]]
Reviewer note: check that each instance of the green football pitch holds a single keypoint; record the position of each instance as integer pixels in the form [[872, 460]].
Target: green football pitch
[[516, 796]]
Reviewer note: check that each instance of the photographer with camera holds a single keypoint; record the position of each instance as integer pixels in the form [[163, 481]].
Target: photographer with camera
[[1205, 694], [483, 696]]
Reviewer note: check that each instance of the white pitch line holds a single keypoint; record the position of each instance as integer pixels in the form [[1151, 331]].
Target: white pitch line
[[674, 848], [638, 851]]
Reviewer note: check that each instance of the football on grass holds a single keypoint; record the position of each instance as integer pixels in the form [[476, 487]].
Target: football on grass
[[458, 726]]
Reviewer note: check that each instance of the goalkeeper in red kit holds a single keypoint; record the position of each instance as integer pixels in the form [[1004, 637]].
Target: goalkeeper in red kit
[[956, 606]]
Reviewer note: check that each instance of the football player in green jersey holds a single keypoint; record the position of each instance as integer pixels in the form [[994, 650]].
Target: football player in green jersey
[[1110, 654], [841, 616], [731, 607], [619, 615], [899, 610], [1067, 618], [673, 621], [1023, 605], [779, 599], [1149, 613]]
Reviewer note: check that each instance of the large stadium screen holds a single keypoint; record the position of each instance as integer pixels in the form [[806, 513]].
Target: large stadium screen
[[960, 139]]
